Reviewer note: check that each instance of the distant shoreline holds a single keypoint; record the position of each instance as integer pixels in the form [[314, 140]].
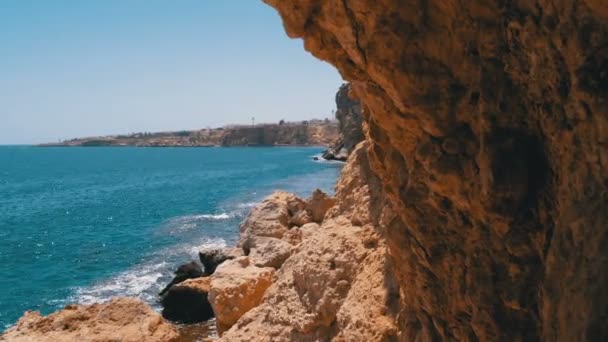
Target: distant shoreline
[[303, 133], [170, 146]]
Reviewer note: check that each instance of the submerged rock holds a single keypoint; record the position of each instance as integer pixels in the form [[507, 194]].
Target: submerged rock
[[183, 272], [187, 302], [121, 319]]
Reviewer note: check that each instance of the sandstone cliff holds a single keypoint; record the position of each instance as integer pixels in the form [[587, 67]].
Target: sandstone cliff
[[350, 119], [488, 128], [305, 133], [313, 132]]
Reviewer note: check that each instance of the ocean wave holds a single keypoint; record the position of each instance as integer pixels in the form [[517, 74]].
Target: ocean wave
[[180, 224], [222, 216], [144, 281], [131, 283], [246, 205]]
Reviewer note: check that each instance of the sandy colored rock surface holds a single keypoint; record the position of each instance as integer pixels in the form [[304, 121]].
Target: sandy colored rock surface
[[488, 128], [268, 252], [318, 204], [237, 286], [334, 286], [272, 217], [121, 319]]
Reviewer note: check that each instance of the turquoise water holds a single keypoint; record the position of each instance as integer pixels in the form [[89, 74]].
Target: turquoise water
[[85, 224]]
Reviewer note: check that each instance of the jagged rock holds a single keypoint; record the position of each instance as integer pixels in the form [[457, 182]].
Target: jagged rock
[[319, 204], [272, 217], [237, 286], [350, 120], [301, 218], [187, 302], [333, 287], [212, 258], [308, 229], [183, 272], [488, 127], [267, 251], [121, 319]]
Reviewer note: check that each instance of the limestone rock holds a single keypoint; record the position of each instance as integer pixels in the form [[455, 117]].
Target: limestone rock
[[333, 287], [237, 286], [300, 218], [319, 204], [487, 125], [313, 132], [187, 302], [267, 251], [272, 217], [350, 119], [121, 319]]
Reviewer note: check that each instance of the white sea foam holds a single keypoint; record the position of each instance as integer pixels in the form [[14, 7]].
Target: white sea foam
[[246, 205], [222, 216], [130, 283], [145, 280]]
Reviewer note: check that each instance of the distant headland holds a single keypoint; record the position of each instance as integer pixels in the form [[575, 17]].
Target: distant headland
[[301, 133]]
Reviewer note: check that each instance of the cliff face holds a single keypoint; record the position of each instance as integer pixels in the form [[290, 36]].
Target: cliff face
[[350, 120], [286, 134], [488, 128]]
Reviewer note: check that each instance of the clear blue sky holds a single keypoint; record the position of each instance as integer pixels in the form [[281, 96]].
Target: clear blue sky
[[72, 68]]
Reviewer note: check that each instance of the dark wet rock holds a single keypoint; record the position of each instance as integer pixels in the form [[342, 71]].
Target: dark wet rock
[[211, 259], [187, 302], [183, 272]]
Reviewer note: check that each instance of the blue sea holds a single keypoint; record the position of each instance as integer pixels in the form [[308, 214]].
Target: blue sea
[[81, 225]]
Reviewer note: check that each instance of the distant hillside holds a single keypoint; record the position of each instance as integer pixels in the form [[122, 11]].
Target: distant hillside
[[313, 132]]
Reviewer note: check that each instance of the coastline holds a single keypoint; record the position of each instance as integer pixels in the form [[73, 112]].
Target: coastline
[[220, 215]]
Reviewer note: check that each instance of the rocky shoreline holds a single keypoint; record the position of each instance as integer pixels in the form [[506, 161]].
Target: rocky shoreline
[[306, 255]]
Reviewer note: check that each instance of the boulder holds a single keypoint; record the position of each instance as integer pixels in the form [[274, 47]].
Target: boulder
[[319, 204], [237, 286], [120, 319], [309, 230], [272, 217], [212, 258], [183, 272], [187, 302], [300, 218], [267, 251]]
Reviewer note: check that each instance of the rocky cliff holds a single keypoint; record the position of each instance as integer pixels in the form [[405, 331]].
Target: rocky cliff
[[350, 120], [305, 133], [476, 209], [313, 132], [488, 128]]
